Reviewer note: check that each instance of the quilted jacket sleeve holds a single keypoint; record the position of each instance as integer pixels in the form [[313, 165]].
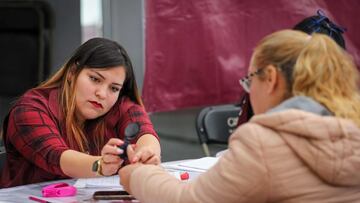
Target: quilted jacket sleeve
[[239, 176]]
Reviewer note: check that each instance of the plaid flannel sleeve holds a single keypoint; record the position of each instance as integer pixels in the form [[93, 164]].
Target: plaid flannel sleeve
[[37, 137], [137, 113]]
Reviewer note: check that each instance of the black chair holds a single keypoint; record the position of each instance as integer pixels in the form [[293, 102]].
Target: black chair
[[215, 124], [2, 147], [25, 48], [2, 156]]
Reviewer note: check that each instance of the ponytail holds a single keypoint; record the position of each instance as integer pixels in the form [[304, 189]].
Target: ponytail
[[326, 73], [313, 66]]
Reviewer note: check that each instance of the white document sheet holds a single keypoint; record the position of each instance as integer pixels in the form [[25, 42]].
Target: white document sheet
[[109, 182], [196, 165]]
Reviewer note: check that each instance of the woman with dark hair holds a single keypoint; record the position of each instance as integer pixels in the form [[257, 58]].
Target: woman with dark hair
[[73, 124]]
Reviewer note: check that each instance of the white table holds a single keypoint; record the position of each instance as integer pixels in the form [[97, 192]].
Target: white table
[[21, 194]]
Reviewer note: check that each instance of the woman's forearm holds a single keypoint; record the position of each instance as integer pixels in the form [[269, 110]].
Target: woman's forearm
[[77, 164]]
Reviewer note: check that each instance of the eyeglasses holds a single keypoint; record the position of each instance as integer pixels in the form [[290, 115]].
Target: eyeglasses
[[245, 82]]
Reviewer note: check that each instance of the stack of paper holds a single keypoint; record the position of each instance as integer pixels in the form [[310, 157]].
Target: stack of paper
[[196, 165], [109, 182]]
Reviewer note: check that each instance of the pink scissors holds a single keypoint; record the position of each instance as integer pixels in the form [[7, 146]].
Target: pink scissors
[[58, 190]]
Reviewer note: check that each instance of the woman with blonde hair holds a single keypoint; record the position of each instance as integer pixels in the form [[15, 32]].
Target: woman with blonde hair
[[73, 124], [319, 23], [302, 145]]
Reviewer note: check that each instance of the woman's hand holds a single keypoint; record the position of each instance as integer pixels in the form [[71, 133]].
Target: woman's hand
[[110, 160], [143, 154], [125, 175]]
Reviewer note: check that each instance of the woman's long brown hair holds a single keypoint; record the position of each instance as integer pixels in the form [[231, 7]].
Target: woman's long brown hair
[[95, 53]]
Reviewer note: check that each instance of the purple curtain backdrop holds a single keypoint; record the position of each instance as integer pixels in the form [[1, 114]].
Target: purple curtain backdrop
[[197, 50]]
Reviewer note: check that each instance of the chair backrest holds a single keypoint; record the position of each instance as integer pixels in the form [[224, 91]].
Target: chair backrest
[[2, 158], [2, 154], [215, 124], [25, 44]]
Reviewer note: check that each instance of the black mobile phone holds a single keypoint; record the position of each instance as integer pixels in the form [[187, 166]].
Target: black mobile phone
[[113, 195]]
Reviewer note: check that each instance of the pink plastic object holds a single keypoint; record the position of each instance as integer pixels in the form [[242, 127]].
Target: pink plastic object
[[184, 176], [58, 190]]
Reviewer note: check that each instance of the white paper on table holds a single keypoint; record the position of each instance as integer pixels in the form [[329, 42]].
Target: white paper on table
[[110, 181], [196, 165]]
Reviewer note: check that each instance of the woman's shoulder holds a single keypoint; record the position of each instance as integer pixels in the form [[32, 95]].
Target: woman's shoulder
[[272, 128], [40, 93], [124, 104], [33, 94], [256, 133], [123, 108], [38, 98]]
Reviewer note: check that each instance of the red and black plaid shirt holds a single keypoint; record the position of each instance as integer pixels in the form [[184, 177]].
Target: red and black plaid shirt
[[36, 136]]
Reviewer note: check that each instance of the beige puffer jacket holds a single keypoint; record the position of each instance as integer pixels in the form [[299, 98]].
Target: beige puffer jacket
[[287, 155]]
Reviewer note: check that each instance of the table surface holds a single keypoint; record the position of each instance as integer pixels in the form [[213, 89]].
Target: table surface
[[21, 194]]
